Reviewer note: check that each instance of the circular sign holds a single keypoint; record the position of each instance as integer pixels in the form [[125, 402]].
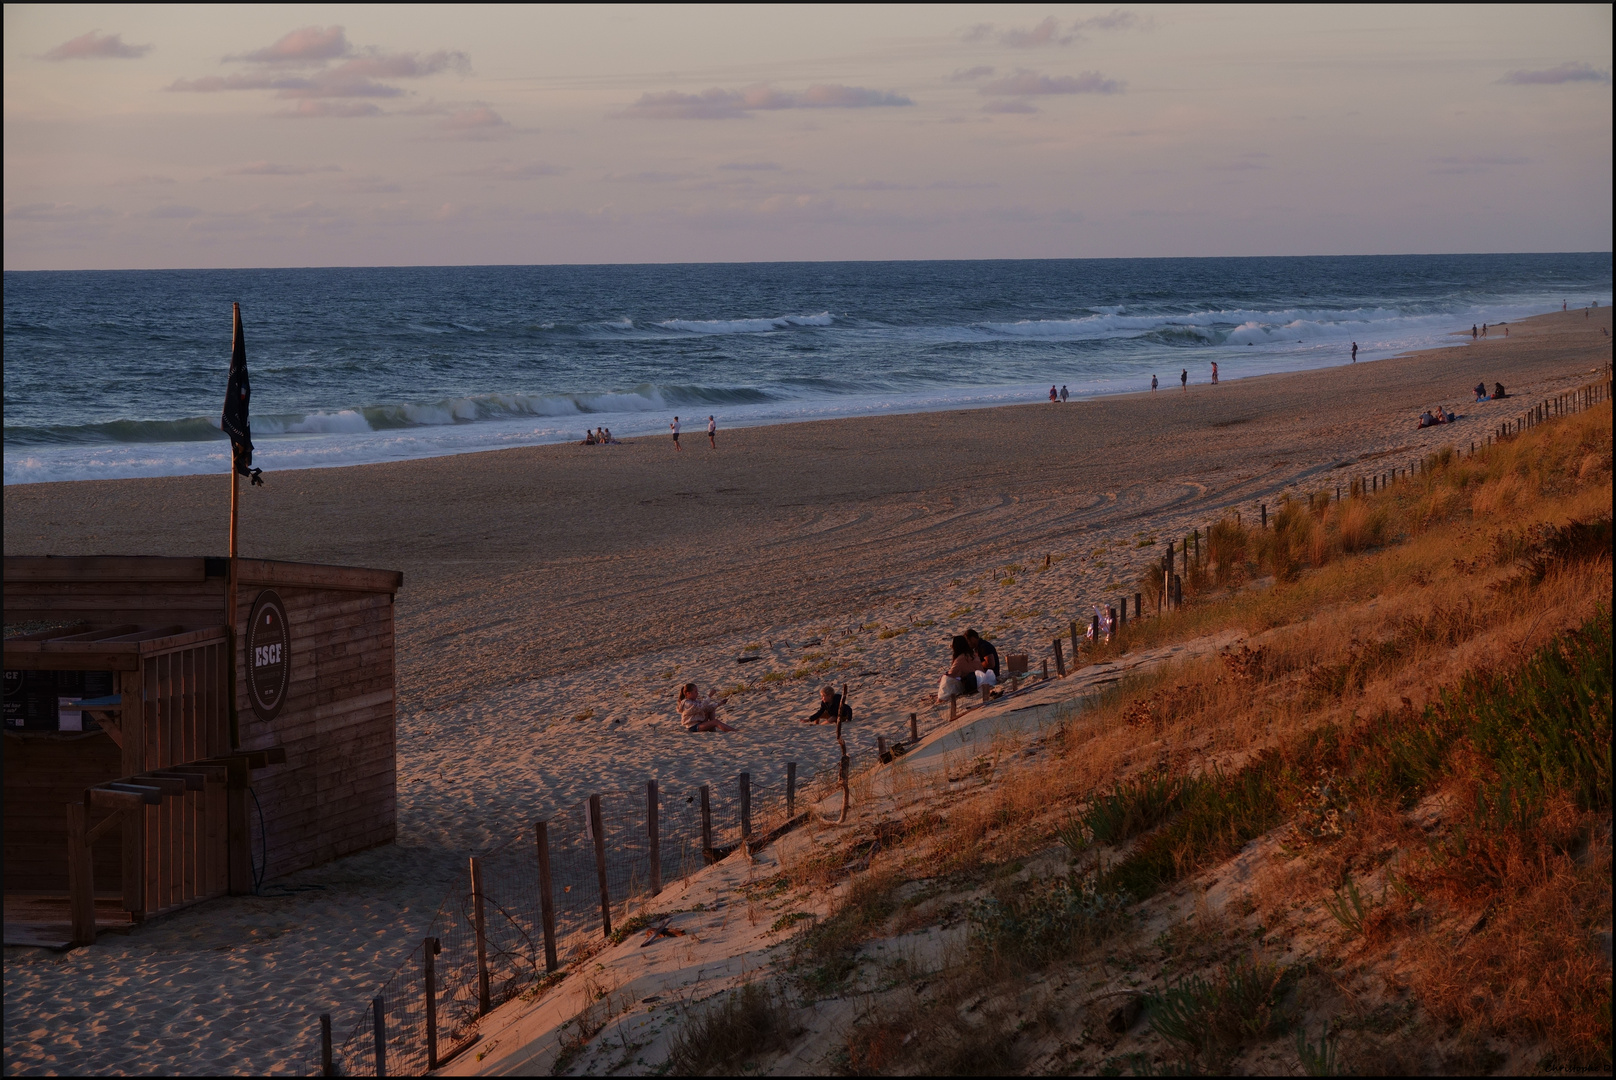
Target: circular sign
[[269, 655]]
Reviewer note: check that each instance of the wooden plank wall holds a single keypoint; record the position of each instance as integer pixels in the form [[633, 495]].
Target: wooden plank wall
[[106, 603], [42, 773], [337, 792]]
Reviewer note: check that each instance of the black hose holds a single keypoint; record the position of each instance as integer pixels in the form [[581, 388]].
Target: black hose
[[260, 868]]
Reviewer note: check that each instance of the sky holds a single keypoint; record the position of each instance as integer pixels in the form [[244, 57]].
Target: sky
[[239, 136]]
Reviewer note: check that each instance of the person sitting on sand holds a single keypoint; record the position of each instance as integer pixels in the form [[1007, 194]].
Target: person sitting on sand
[[1426, 419], [1498, 391], [830, 708], [699, 713], [589, 439], [1448, 416], [1481, 391], [960, 678], [987, 656]]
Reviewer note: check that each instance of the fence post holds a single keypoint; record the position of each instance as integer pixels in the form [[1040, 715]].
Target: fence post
[[791, 788], [480, 924], [654, 832], [378, 1012], [1138, 605], [1094, 629], [325, 1046], [880, 747], [746, 806], [600, 864], [1265, 515], [1046, 679], [429, 954], [80, 876], [546, 895], [1060, 661], [914, 728], [706, 827]]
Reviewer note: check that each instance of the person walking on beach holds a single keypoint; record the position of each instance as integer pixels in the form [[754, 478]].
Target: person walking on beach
[[1153, 382], [1184, 378], [712, 433], [675, 427], [1053, 396], [1472, 331], [1064, 395], [1354, 352], [1483, 329], [1214, 373]]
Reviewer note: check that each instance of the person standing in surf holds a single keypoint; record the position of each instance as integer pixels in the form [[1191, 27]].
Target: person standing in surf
[[1184, 378], [1214, 373], [675, 427], [1064, 394], [712, 433]]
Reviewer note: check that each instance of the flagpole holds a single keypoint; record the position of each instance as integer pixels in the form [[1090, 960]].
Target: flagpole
[[230, 586]]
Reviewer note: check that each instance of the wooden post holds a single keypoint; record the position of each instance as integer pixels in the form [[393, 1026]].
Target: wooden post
[[1094, 630], [1265, 515], [1138, 605], [1073, 631], [1060, 661], [599, 834], [746, 806], [791, 788], [654, 834], [914, 728], [429, 953], [706, 827], [1046, 678], [546, 895], [1197, 547], [80, 876], [378, 1013], [479, 924], [880, 748], [1115, 625], [847, 792], [325, 1046]]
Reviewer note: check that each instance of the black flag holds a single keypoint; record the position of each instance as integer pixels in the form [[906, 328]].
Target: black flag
[[236, 395]]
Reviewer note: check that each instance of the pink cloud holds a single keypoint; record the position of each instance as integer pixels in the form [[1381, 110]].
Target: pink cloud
[[1045, 33], [474, 119], [97, 46], [310, 45], [1024, 83]]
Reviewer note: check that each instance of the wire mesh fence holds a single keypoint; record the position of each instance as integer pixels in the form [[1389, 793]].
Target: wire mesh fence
[[487, 943]]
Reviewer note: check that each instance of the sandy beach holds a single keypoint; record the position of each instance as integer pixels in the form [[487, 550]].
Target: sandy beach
[[555, 597]]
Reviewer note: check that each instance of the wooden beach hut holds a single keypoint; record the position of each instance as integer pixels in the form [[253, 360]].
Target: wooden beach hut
[[132, 788]]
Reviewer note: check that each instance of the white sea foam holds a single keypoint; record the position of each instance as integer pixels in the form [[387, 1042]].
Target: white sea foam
[[747, 326]]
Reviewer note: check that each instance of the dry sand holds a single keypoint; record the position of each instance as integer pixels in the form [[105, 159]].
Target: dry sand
[[555, 596]]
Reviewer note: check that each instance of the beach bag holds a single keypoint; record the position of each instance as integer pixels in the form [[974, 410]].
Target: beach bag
[[947, 687]]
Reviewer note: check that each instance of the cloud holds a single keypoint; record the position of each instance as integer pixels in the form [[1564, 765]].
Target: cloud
[[473, 120], [981, 71], [511, 170], [874, 185], [310, 45], [314, 110], [719, 104], [1045, 33], [97, 46], [1116, 20], [268, 168], [1572, 71], [143, 180], [356, 76], [1016, 106], [1024, 83], [750, 166]]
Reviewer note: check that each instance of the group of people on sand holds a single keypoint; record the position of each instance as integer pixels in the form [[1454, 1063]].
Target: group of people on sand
[[602, 437], [973, 667], [1062, 395], [1497, 394], [1440, 416]]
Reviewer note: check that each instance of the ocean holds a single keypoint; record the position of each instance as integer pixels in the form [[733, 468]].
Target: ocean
[[122, 373]]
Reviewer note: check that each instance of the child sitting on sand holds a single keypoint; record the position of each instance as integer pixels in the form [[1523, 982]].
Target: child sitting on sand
[[698, 713], [830, 708]]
